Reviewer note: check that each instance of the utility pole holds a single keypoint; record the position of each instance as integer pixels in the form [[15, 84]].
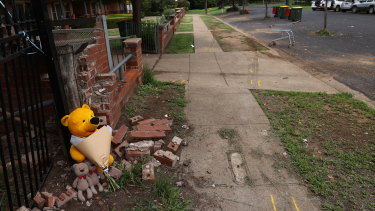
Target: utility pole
[[205, 6]]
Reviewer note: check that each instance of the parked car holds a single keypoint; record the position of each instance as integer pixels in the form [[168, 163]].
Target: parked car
[[331, 5], [364, 5], [348, 5]]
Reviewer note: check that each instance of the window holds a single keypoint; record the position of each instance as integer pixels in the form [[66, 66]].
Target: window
[[56, 11]]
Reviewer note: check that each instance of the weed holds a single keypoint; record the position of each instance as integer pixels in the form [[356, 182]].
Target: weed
[[325, 33], [261, 48], [212, 24], [333, 125], [168, 197], [148, 76], [130, 110], [131, 177], [229, 134]]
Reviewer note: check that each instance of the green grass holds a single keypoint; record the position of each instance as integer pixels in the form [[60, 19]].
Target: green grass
[[212, 24], [181, 43], [185, 28], [166, 197], [211, 11], [113, 32], [132, 176], [187, 19], [331, 141], [113, 18]]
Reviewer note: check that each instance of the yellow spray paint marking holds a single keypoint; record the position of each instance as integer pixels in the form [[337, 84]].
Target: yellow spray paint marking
[[273, 203], [251, 71], [251, 81], [295, 204], [259, 82], [183, 81]]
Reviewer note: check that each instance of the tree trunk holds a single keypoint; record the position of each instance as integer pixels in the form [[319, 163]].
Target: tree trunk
[[205, 7], [137, 16], [325, 15], [233, 4], [243, 4], [266, 16]]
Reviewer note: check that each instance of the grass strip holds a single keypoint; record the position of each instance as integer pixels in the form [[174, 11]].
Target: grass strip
[[331, 141], [187, 19], [211, 11], [185, 28], [181, 43], [214, 24]]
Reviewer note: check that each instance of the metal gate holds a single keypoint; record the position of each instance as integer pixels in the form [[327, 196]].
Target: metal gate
[[26, 56], [149, 35]]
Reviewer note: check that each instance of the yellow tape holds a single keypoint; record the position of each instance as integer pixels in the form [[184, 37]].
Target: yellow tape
[[273, 203], [295, 204]]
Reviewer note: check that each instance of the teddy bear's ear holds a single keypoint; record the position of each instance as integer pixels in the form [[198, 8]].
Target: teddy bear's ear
[[64, 120], [85, 106]]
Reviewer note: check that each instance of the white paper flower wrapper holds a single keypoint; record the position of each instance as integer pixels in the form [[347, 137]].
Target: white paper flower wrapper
[[97, 147]]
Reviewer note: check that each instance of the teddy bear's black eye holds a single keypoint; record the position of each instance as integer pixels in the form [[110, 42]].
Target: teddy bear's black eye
[[83, 120]]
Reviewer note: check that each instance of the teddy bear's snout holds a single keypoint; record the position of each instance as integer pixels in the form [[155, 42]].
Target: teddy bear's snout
[[94, 120]]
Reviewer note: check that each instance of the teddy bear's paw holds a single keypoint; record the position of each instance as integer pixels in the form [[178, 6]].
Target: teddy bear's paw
[[94, 190], [89, 193]]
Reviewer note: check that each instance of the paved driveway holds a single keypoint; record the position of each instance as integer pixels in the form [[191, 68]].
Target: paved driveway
[[349, 56]]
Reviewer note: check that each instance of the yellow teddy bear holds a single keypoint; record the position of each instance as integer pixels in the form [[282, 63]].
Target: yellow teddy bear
[[81, 123]]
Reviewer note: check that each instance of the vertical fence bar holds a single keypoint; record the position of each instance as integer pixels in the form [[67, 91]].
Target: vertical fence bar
[[105, 28]]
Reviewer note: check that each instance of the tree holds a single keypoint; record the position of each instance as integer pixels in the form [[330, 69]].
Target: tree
[[266, 3], [136, 4]]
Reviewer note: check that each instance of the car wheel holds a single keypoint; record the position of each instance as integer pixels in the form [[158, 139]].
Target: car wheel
[[314, 9], [337, 9], [371, 10], [354, 10]]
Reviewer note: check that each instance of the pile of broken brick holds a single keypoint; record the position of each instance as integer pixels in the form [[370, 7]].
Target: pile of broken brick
[[145, 139]]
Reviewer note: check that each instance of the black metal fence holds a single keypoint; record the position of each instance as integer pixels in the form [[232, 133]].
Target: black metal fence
[[26, 69]]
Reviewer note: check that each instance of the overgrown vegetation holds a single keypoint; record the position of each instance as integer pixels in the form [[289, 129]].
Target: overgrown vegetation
[[331, 141], [181, 43], [166, 196]]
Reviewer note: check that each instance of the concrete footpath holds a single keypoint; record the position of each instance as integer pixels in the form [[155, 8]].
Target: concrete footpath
[[244, 175]]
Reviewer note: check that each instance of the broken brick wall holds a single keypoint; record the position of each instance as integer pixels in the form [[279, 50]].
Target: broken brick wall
[[96, 86]]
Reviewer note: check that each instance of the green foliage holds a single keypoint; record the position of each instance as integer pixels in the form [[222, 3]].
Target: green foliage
[[131, 177], [181, 43], [114, 18], [168, 197]]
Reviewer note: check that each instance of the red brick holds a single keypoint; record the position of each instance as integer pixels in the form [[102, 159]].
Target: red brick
[[51, 201], [132, 155], [45, 195], [148, 172], [63, 196], [118, 150], [115, 172], [39, 200], [136, 135], [158, 145], [71, 192], [163, 160], [57, 201], [106, 77], [174, 147], [162, 122], [150, 128], [117, 138], [135, 119], [146, 121]]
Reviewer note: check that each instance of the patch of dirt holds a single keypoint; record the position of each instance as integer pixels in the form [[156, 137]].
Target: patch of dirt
[[236, 41], [155, 105]]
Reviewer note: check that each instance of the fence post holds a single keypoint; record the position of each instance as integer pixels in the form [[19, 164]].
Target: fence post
[[105, 28], [161, 29]]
